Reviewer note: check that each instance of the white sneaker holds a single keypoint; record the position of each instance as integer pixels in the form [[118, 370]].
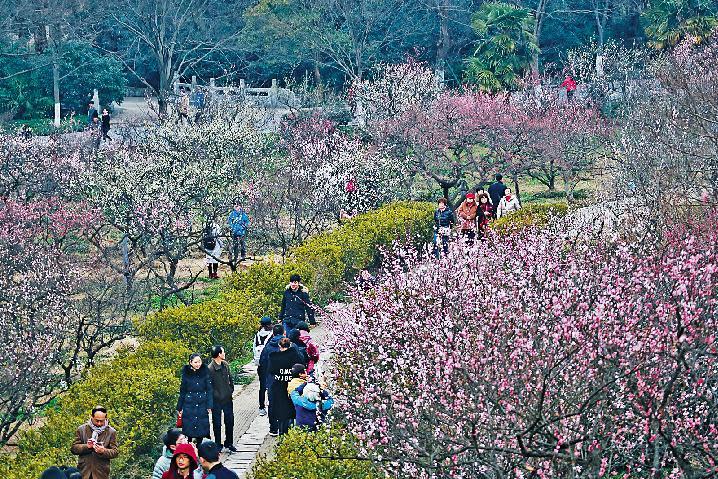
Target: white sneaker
[[262, 411]]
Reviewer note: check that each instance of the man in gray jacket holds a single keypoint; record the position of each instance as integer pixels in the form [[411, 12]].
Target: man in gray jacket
[[223, 388]]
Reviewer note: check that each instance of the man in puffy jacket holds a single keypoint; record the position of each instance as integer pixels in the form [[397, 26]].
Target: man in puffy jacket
[[296, 305], [444, 220], [238, 223]]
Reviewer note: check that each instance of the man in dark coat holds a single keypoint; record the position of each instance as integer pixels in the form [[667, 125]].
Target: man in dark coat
[[281, 409], [223, 388], [496, 192], [296, 305], [196, 399]]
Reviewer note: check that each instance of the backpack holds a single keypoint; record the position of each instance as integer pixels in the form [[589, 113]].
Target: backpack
[[209, 240]]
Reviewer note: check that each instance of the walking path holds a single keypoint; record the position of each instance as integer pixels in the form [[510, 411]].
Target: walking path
[[251, 431]]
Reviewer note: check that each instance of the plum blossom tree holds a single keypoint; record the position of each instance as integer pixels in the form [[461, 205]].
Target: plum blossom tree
[[668, 145], [36, 283], [317, 173], [538, 356]]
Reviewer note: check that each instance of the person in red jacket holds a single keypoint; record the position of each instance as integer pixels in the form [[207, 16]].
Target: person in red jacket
[[570, 85], [184, 463]]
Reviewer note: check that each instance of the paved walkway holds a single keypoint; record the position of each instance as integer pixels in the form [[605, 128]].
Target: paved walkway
[[251, 431]]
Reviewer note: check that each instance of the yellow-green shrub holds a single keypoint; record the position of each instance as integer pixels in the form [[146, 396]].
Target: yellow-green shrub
[[230, 320], [303, 454], [140, 390], [530, 215]]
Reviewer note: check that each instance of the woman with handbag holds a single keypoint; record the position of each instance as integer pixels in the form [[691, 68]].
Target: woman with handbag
[[195, 399], [444, 220]]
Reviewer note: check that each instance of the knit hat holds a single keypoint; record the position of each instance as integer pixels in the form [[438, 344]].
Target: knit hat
[[312, 391], [302, 326], [294, 335], [298, 369], [295, 277], [265, 321], [470, 196]]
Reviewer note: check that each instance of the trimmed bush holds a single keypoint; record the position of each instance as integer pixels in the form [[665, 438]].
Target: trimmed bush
[[140, 390], [317, 455], [529, 215]]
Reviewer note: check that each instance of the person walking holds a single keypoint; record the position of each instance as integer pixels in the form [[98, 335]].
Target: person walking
[[91, 112], [212, 245], [105, 124], [508, 204], [444, 220], [296, 305], [270, 347], [196, 399], [209, 459], [312, 349], [183, 107], [468, 215], [172, 438], [260, 341], [96, 445], [570, 85], [238, 223], [223, 388], [496, 192], [311, 404], [487, 214], [184, 463], [281, 410]]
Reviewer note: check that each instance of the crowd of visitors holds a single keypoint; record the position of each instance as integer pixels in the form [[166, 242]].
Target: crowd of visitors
[[473, 215]]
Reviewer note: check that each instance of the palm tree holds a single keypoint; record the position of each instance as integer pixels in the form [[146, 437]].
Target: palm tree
[[505, 46], [667, 22]]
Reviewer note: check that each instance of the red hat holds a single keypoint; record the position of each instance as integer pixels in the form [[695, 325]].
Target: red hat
[[470, 195], [188, 450]]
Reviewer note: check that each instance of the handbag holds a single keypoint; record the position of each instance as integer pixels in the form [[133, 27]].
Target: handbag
[[179, 420]]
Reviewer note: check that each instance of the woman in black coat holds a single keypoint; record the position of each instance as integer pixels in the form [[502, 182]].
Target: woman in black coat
[[195, 399], [281, 408]]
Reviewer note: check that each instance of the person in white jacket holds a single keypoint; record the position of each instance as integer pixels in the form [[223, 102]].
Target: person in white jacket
[[260, 340], [507, 204]]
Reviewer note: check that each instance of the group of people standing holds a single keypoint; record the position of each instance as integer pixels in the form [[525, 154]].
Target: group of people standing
[[473, 215], [213, 242]]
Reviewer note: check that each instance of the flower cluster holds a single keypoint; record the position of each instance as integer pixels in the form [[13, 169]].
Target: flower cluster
[[535, 355]]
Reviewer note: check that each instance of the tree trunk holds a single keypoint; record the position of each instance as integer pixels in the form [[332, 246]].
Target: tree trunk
[[443, 45], [517, 192]]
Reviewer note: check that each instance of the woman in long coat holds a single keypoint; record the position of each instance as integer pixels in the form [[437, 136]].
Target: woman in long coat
[[195, 399]]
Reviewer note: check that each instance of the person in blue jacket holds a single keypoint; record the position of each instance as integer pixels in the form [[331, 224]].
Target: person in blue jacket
[[238, 223], [311, 404]]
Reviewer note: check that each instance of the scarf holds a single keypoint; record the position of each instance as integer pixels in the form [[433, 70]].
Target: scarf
[[508, 198], [96, 431]]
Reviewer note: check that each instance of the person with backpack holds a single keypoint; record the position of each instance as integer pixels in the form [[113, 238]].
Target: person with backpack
[[271, 346], [260, 340], [238, 223], [212, 246], [294, 337], [311, 348], [296, 305]]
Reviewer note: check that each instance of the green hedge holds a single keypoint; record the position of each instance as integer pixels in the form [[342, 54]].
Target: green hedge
[[324, 261], [139, 387], [529, 215], [318, 455]]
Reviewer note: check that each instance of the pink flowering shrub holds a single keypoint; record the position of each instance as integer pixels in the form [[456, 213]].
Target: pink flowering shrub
[[535, 356]]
